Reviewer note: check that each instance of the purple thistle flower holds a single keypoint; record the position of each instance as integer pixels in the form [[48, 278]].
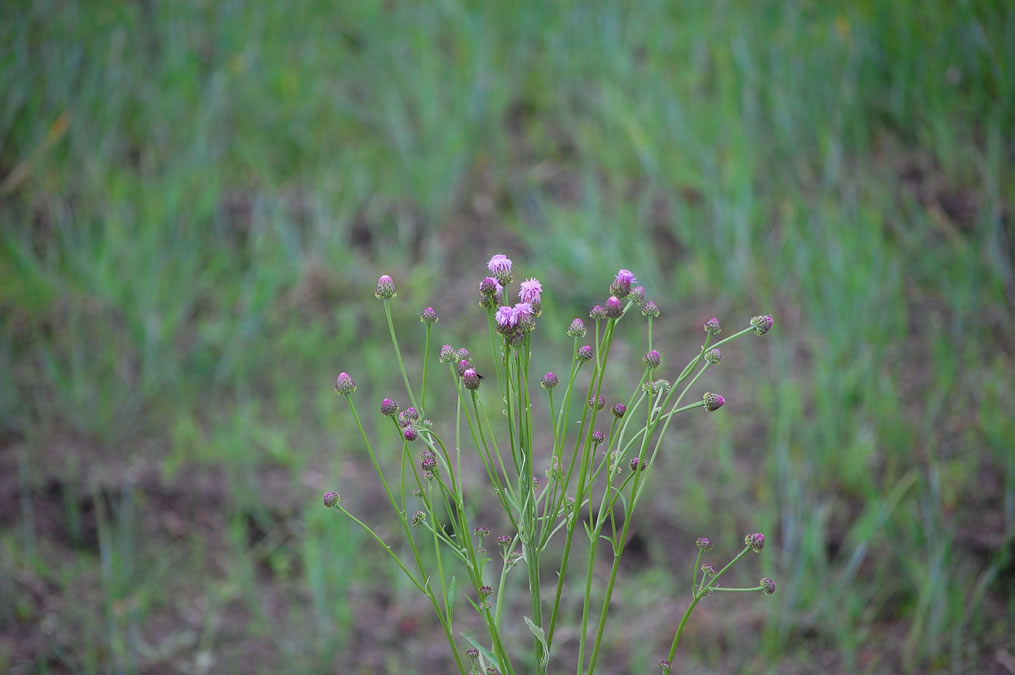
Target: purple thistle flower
[[598, 437], [621, 286], [549, 380], [470, 378], [389, 408], [462, 366], [344, 384], [767, 585], [712, 326], [523, 312], [489, 287], [331, 499], [650, 310], [576, 329], [500, 267], [714, 401], [428, 461], [614, 307], [486, 591], [762, 324], [506, 317], [429, 316], [597, 403], [708, 569], [472, 653], [756, 541], [504, 539], [447, 353], [638, 294], [482, 531], [618, 410], [463, 354], [636, 464], [585, 354], [713, 356], [385, 288], [597, 312], [410, 433], [529, 291], [665, 665], [704, 543], [652, 359]]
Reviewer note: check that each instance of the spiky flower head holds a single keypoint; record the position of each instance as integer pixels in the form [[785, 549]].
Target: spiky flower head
[[389, 408], [712, 326], [598, 437], [650, 310], [713, 356], [621, 286], [331, 499], [614, 307], [756, 541], [525, 315], [638, 464], [385, 287], [660, 386], [472, 653], [549, 381], [597, 402], [344, 384], [506, 318], [504, 539], [428, 461], [597, 312], [652, 359], [500, 267], [429, 316], [482, 531], [410, 433], [704, 543], [463, 354], [408, 416], [708, 569], [618, 410], [762, 324], [447, 354], [529, 291], [489, 287], [767, 585], [665, 665], [470, 378], [638, 294], [714, 401], [486, 591], [576, 329], [462, 366], [585, 354], [417, 518]]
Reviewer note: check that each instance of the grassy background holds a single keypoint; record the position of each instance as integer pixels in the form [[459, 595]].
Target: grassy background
[[196, 199]]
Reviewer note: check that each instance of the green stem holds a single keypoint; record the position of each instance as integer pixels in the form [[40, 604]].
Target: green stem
[[398, 355]]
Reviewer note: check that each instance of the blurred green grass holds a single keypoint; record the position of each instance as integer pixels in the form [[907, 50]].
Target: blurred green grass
[[196, 199]]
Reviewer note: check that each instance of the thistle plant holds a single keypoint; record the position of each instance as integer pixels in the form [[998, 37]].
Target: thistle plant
[[598, 454]]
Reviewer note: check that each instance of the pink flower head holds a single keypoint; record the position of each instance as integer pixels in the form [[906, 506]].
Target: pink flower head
[[523, 312], [507, 318], [529, 291], [621, 285], [500, 266]]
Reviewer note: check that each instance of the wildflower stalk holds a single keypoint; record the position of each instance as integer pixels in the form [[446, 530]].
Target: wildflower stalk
[[398, 354]]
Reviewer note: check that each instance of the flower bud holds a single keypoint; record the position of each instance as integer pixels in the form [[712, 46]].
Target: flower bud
[[598, 437], [344, 384], [417, 518], [428, 461], [597, 402], [410, 433], [618, 410], [665, 666], [597, 312], [621, 286], [576, 329], [650, 310], [447, 354], [331, 499], [482, 531], [713, 401], [429, 316], [708, 569], [652, 359], [704, 543], [389, 408], [767, 585], [549, 381], [489, 287], [756, 541], [614, 307], [712, 326], [385, 288], [638, 464], [713, 357], [470, 378], [638, 294], [762, 324], [585, 354]]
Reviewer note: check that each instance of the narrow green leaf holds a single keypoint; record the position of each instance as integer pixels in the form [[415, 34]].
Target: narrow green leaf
[[540, 635]]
